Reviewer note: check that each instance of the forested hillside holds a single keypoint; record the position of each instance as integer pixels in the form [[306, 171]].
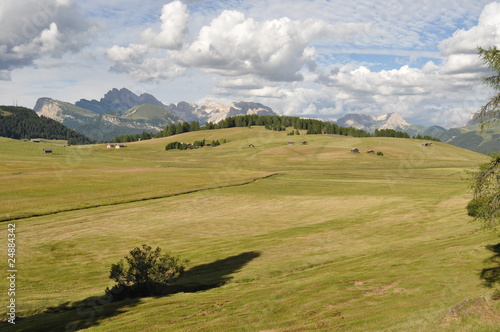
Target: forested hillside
[[21, 122]]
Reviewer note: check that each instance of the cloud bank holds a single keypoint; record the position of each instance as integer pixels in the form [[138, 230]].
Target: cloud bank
[[32, 29], [231, 45]]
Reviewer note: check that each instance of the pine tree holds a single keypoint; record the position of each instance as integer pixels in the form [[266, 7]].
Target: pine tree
[[491, 111]]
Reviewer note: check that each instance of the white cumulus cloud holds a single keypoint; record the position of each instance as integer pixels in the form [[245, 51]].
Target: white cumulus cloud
[[49, 41], [234, 45], [485, 34], [127, 55], [460, 49], [174, 27]]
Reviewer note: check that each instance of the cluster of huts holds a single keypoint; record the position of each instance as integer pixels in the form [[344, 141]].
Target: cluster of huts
[[289, 143], [36, 140], [115, 146], [356, 150]]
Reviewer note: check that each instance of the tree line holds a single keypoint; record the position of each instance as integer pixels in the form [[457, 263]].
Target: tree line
[[280, 123], [271, 122], [390, 133], [196, 145], [427, 138]]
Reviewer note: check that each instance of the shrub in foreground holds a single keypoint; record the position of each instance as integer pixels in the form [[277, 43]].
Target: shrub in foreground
[[145, 272]]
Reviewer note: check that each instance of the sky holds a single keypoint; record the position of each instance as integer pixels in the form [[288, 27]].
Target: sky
[[310, 58]]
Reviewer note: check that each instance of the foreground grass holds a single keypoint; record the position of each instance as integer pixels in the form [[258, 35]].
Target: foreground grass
[[334, 241]]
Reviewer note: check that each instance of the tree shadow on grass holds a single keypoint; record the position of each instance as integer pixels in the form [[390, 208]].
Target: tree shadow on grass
[[89, 312], [71, 316], [491, 275], [211, 275]]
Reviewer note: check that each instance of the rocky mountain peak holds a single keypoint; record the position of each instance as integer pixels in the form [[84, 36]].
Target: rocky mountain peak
[[122, 97], [370, 123], [116, 100], [211, 105], [253, 108], [40, 103], [213, 111], [394, 121]]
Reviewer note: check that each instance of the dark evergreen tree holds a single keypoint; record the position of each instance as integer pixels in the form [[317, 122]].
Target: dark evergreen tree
[[490, 112]]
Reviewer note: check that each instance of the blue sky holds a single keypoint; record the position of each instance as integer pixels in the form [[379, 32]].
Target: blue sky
[[313, 58]]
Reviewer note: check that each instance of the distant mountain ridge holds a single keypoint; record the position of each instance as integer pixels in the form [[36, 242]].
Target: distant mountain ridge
[[106, 126], [122, 112], [118, 100], [212, 111], [387, 121], [470, 137]]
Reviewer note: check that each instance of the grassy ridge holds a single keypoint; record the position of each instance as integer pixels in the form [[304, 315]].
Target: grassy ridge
[[335, 241]]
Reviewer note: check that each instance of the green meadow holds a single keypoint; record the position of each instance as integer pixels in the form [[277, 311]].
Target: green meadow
[[279, 237]]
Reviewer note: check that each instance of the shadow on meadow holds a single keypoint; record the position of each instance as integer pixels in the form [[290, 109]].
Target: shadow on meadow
[[89, 312], [491, 275], [211, 275]]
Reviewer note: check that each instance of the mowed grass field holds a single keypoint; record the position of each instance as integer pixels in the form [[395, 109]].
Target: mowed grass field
[[279, 237]]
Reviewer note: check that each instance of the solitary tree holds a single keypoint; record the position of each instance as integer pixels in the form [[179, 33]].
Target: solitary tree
[[145, 272], [485, 183]]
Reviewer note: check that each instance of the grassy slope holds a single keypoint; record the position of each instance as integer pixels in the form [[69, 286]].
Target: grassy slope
[[335, 241], [473, 138], [150, 112], [75, 110]]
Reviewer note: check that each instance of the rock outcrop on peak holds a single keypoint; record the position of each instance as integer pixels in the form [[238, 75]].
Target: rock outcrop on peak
[[115, 101], [370, 123]]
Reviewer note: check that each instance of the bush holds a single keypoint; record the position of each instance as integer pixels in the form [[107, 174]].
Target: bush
[[145, 272], [474, 207], [380, 153]]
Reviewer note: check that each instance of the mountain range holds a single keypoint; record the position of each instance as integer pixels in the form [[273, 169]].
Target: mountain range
[[387, 121], [470, 137], [122, 112]]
